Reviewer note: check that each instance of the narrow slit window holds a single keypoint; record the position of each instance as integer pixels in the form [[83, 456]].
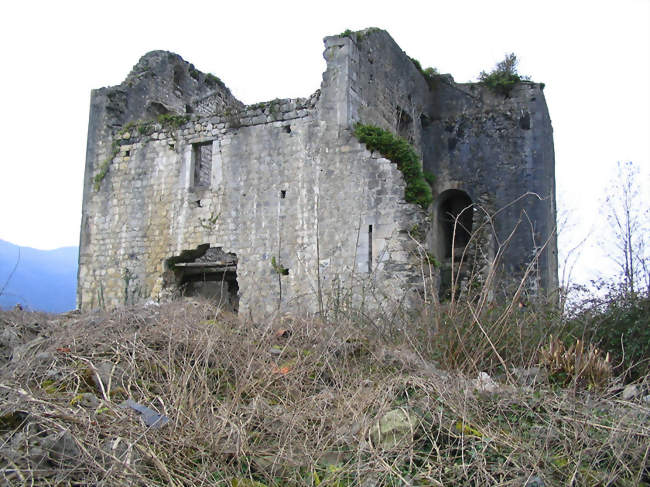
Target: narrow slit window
[[369, 248], [283, 193], [202, 164]]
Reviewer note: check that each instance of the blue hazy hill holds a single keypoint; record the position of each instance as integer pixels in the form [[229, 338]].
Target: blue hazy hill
[[44, 280]]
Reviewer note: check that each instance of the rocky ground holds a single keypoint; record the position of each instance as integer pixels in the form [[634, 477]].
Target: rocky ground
[[181, 394]]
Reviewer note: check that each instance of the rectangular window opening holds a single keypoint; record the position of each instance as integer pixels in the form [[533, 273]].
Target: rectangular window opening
[[283, 193], [202, 164]]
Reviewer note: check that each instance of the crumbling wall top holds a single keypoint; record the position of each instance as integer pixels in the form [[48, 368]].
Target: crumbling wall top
[[162, 83]]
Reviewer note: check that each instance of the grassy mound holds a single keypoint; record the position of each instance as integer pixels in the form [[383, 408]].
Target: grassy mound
[[290, 402]]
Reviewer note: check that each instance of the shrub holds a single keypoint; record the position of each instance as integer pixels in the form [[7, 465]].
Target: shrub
[[360, 35], [493, 338], [429, 73], [399, 151], [618, 323], [211, 79], [503, 78]]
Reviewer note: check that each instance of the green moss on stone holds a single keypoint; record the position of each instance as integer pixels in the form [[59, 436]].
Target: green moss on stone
[[103, 168], [399, 151], [171, 120], [429, 74], [211, 79], [359, 35]]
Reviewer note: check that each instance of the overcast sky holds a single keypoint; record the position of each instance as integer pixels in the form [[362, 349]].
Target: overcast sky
[[594, 57]]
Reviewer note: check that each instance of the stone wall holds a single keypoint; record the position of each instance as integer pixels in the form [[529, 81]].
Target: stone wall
[[296, 213], [283, 182], [499, 150]]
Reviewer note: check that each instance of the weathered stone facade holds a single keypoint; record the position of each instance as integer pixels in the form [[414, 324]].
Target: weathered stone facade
[[278, 206]]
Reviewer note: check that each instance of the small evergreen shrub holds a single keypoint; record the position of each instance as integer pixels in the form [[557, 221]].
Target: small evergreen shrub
[[402, 153], [503, 78]]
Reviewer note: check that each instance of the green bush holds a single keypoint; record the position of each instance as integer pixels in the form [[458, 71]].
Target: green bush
[[503, 78], [619, 324], [429, 73], [360, 35], [400, 152], [211, 79]]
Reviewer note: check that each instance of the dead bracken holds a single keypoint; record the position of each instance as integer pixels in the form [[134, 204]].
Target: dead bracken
[[187, 394]]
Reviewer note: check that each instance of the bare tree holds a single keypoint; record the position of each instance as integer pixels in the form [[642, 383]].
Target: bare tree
[[628, 216]]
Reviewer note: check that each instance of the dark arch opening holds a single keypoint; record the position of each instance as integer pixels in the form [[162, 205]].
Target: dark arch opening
[[455, 215]]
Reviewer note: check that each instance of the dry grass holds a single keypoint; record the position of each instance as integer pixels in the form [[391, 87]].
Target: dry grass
[[289, 402]]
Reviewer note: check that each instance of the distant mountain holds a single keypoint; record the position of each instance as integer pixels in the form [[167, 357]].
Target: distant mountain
[[44, 280]]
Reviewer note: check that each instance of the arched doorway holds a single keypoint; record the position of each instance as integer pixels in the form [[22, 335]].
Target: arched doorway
[[454, 217]]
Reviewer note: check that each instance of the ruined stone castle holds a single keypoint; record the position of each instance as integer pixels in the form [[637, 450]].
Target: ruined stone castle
[[278, 206]]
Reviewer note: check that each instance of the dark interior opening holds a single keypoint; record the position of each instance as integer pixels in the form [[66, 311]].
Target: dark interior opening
[[404, 124], [369, 248], [455, 221], [208, 272], [155, 109], [283, 193]]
